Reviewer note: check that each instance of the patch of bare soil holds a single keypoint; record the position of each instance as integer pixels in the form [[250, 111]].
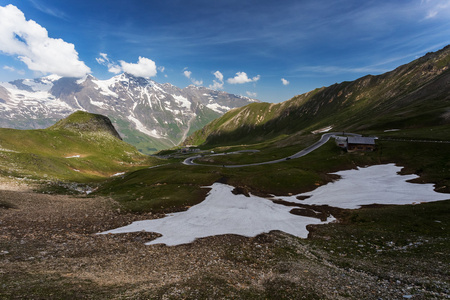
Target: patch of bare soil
[[49, 249]]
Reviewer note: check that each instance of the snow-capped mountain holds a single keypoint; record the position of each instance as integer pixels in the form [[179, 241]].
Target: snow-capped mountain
[[147, 114]]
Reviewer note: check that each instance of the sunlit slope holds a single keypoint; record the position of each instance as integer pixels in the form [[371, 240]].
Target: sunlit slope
[[415, 95], [81, 147]]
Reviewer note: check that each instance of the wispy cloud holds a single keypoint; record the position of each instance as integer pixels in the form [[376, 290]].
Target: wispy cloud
[[251, 94], [194, 81], [48, 10], [105, 61], [338, 70], [436, 8], [284, 81], [380, 66], [12, 69]]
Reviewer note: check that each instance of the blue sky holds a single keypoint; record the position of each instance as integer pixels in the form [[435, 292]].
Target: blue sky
[[270, 50]]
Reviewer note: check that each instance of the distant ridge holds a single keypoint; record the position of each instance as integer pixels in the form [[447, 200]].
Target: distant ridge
[[414, 95]]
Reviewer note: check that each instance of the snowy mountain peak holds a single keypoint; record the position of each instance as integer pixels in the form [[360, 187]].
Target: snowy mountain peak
[[51, 78], [147, 114]]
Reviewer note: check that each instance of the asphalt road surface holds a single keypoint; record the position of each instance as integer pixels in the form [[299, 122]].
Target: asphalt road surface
[[323, 139]]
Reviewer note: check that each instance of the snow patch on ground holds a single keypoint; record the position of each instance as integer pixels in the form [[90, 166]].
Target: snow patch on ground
[[379, 184], [78, 103], [43, 85], [8, 150], [182, 101], [118, 174], [98, 103], [104, 86], [141, 127], [18, 95], [222, 212], [322, 130], [218, 108]]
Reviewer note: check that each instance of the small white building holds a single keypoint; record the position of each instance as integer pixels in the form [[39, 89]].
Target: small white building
[[341, 141]]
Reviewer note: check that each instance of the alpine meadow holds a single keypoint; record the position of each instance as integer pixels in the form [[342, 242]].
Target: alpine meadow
[[123, 187]]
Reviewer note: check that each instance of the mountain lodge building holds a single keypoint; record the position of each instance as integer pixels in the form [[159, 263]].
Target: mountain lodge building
[[356, 143]]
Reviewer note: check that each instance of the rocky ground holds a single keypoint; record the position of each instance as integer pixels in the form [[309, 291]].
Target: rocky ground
[[49, 250]]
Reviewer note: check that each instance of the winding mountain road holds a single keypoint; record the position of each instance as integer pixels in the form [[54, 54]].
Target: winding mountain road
[[323, 139]]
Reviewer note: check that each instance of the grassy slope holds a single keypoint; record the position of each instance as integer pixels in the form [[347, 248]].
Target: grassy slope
[[170, 185], [412, 96], [406, 243], [44, 154]]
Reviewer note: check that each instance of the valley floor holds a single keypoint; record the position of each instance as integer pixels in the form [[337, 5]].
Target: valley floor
[[49, 250]]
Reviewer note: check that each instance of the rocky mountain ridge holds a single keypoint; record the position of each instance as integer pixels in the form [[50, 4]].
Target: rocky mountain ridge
[[414, 95], [147, 114]]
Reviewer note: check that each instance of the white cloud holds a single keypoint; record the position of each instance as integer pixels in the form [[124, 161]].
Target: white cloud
[[218, 75], [161, 68], [218, 84], [250, 94], [284, 81], [143, 68], [197, 82], [105, 61], [241, 77], [114, 69], [188, 74], [30, 42]]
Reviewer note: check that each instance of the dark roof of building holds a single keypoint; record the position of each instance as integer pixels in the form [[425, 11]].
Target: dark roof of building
[[361, 140]]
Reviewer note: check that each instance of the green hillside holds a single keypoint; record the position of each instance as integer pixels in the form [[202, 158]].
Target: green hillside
[[82, 147], [414, 99], [413, 96]]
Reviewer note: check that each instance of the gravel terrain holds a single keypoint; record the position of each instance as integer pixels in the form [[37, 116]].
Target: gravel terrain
[[49, 250]]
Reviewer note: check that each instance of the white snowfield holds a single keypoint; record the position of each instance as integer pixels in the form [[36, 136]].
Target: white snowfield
[[222, 212], [225, 213], [376, 184]]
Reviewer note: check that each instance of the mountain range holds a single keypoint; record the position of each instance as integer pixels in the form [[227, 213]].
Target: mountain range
[[414, 95], [147, 114]]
